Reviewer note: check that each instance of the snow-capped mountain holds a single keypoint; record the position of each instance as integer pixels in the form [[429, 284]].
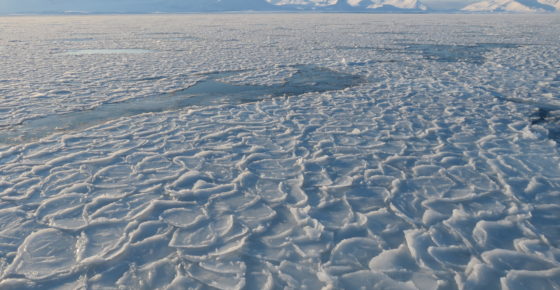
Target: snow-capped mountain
[[553, 3], [376, 4], [379, 6], [311, 3], [522, 6], [214, 5], [351, 5], [142, 6]]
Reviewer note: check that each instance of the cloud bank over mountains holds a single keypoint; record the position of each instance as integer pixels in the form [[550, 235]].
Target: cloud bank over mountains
[[149, 6]]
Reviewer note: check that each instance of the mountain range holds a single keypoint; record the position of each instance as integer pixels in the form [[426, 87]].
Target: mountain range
[[373, 6], [522, 6]]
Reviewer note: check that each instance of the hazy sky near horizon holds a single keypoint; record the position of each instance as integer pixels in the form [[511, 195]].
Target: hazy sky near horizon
[[40, 6]]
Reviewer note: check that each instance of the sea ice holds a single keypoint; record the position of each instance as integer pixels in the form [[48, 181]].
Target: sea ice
[[280, 151]]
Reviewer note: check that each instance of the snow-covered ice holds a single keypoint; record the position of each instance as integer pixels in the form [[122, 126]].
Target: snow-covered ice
[[106, 51], [298, 151]]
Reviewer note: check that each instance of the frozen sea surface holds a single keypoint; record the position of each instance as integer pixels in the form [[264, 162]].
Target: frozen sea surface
[[280, 152], [106, 51]]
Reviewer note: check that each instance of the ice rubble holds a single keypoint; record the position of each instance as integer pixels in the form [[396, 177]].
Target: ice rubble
[[437, 170]]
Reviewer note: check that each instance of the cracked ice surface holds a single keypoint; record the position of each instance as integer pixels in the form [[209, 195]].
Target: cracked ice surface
[[376, 151]]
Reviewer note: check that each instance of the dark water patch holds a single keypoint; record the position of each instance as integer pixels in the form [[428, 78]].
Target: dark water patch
[[210, 91], [546, 115], [549, 119], [456, 53], [60, 92], [539, 116]]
